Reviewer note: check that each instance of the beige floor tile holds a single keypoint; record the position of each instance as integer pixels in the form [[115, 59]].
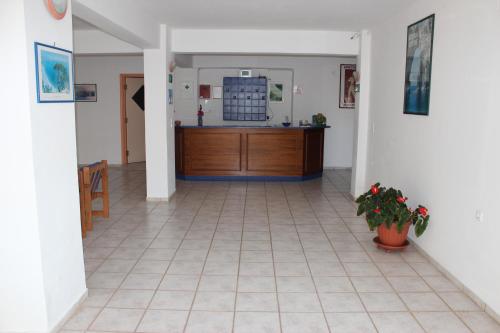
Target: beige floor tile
[[458, 301], [441, 322], [277, 245], [214, 301], [379, 302], [117, 320], [295, 284], [257, 302], [256, 322], [98, 297], [131, 299], [408, 284], [210, 322], [350, 323], [179, 282], [299, 302], [423, 302], [341, 302], [303, 323], [82, 318], [172, 300], [141, 281], [395, 322], [479, 322], [160, 321]]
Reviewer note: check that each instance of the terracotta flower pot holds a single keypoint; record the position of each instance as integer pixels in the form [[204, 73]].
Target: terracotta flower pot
[[391, 236]]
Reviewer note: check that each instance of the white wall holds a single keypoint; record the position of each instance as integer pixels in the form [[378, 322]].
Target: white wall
[[40, 283], [264, 42], [94, 42], [449, 160], [98, 124], [160, 137], [317, 76]]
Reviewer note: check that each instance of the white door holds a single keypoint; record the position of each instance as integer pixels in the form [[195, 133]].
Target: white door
[[134, 109]]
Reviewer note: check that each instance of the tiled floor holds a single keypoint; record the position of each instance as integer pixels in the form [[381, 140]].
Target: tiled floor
[[257, 257]]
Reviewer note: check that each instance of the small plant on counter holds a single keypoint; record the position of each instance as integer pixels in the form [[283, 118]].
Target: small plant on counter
[[386, 210]]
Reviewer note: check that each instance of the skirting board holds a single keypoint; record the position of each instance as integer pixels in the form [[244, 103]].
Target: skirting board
[[70, 312], [458, 284]]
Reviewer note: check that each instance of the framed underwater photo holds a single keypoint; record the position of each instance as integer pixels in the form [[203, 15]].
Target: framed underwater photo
[[54, 74], [419, 66]]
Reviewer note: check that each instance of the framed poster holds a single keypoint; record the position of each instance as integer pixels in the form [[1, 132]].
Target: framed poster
[[275, 92], [347, 94], [85, 92], [54, 74], [205, 91], [418, 66]]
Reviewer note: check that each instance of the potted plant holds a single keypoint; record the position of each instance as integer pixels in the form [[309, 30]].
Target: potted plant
[[386, 210]]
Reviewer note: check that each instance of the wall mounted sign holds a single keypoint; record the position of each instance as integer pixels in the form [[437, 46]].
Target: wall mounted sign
[[57, 8], [54, 74], [217, 92], [85, 92], [418, 67], [347, 96]]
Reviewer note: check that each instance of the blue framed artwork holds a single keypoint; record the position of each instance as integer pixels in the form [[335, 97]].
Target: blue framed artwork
[[419, 66], [54, 74]]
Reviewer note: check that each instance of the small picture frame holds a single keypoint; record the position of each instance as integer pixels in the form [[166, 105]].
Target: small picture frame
[[205, 90], [86, 92], [347, 93], [217, 92], [276, 92], [54, 74]]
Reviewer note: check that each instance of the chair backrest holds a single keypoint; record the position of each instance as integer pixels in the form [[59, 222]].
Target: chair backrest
[[95, 174]]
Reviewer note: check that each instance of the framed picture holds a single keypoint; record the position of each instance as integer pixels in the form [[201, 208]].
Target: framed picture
[[54, 74], [85, 92], [347, 94], [418, 67], [217, 92], [205, 91], [275, 92]]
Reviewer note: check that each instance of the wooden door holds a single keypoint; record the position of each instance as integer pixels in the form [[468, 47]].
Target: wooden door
[[134, 108]]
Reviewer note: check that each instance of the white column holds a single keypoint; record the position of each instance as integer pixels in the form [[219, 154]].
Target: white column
[[160, 145], [41, 258], [362, 117]]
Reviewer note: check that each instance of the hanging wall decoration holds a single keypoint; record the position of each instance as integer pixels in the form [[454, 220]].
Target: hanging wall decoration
[[85, 92], [54, 74], [57, 8], [205, 90], [418, 67], [347, 96], [275, 92]]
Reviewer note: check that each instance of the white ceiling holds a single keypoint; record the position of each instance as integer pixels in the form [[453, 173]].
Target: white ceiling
[[266, 14], [79, 24]]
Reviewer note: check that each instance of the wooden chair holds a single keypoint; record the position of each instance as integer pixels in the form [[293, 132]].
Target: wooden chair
[[89, 178]]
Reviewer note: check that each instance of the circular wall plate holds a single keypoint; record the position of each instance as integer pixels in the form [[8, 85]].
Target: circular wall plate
[[57, 8]]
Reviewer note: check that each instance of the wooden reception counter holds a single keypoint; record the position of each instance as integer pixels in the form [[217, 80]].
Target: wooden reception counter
[[239, 153]]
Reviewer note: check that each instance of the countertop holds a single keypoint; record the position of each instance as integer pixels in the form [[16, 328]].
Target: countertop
[[252, 126]]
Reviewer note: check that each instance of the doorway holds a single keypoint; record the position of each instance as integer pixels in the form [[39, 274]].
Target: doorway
[[132, 118]]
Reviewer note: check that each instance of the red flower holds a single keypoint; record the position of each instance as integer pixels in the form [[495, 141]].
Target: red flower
[[401, 199], [377, 211], [374, 189], [422, 211]]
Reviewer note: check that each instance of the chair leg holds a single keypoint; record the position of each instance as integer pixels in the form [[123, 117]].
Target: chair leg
[[105, 190]]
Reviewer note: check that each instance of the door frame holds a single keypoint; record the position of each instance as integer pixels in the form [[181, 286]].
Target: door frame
[[123, 112]]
